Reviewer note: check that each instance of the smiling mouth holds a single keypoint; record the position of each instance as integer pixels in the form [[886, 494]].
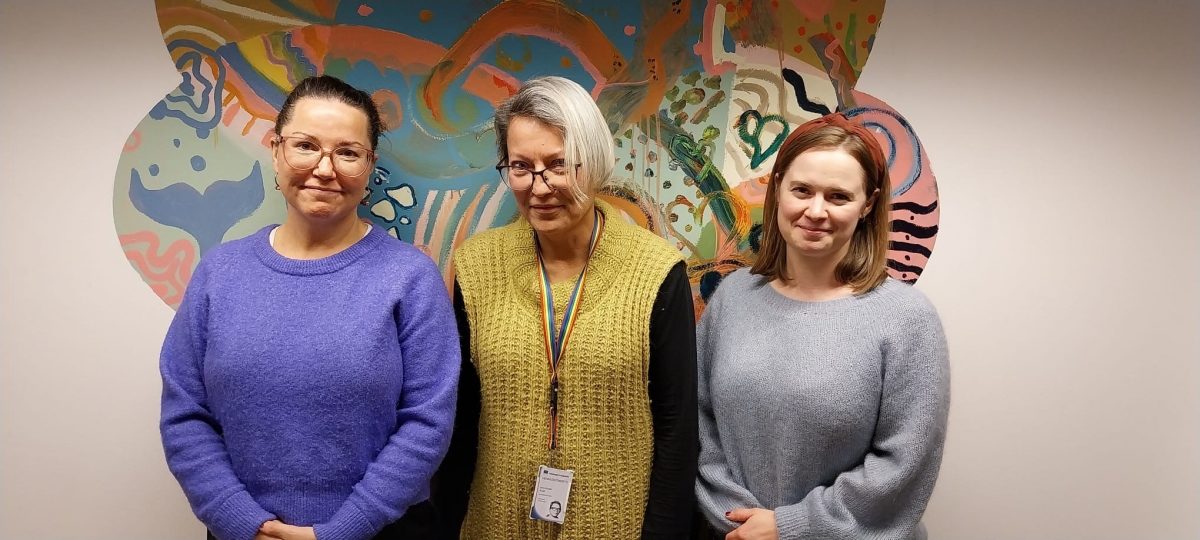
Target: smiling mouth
[[814, 231], [317, 188]]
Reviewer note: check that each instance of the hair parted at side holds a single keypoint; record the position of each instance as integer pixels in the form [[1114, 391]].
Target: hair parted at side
[[564, 106], [330, 87], [865, 265]]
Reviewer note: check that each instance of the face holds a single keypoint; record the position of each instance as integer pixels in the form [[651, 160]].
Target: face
[[324, 193], [555, 508], [534, 145], [821, 198]]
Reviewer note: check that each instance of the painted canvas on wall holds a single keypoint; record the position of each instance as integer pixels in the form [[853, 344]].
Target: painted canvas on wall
[[699, 96]]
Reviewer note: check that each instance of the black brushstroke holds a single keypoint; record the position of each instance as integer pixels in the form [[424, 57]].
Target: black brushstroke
[[901, 267], [914, 229], [914, 207], [756, 237], [909, 248], [709, 282], [802, 100]]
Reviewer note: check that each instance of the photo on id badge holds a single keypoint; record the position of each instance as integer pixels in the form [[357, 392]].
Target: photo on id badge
[[550, 494]]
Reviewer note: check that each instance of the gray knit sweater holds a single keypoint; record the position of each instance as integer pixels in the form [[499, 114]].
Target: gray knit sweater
[[830, 413]]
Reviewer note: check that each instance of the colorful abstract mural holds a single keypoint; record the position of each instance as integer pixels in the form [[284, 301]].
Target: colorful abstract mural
[[699, 96]]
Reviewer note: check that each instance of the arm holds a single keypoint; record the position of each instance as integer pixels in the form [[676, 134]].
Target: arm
[[399, 476], [191, 435], [452, 483], [886, 495], [717, 490], [672, 374]]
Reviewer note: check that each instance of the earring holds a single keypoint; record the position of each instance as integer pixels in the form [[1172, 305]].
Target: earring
[[277, 182]]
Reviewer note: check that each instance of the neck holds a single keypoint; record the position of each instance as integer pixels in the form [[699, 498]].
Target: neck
[[812, 278], [568, 247], [299, 238]]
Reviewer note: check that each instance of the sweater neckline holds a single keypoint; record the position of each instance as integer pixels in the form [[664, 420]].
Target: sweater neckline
[[309, 267], [524, 273], [784, 302]]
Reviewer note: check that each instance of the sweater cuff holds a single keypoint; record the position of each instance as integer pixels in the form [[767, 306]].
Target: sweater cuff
[[791, 522], [347, 524], [239, 518]]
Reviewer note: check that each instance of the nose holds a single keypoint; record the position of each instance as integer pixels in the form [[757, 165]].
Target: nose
[[541, 186], [324, 168], [816, 208]]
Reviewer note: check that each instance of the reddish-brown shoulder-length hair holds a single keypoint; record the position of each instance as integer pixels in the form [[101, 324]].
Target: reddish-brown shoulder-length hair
[[865, 265]]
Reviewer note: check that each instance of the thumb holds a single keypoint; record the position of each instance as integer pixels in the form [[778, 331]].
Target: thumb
[[271, 528], [739, 514]]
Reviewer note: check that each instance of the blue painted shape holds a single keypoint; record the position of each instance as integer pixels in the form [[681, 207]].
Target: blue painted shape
[[198, 163], [206, 217], [200, 110], [914, 171]]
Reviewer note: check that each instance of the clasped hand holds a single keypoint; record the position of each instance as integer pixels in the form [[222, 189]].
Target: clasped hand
[[278, 530], [756, 524]]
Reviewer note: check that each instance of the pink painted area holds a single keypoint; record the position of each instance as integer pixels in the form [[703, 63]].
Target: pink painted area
[[704, 47], [168, 272], [630, 29], [133, 142], [364, 10], [753, 190], [390, 106], [923, 192], [813, 10]]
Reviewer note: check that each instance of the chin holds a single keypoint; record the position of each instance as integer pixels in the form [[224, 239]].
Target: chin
[[322, 213]]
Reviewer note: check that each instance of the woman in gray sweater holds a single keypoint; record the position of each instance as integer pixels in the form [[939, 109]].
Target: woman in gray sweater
[[824, 385]]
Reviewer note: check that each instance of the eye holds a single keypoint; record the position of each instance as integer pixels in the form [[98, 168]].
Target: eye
[[518, 168], [800, 189], [558, 168], [350, 153], [305, 145], [839, 197]]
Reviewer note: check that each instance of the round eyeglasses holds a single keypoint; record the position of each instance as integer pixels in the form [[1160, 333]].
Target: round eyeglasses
[[520, 176], [304, 154]]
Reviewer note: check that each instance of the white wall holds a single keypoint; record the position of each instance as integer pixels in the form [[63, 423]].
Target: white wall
[[1067, 271]]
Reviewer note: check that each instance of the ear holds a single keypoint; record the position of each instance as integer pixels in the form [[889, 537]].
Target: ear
[[275, 157], [870, 204]]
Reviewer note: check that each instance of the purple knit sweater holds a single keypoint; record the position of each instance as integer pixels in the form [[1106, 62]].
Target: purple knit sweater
[[319, 392]]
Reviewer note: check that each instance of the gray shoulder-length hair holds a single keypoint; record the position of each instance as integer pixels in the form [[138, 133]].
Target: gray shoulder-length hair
[[567, 108]]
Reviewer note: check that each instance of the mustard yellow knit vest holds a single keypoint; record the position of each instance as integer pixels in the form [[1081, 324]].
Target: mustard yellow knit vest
[[605, 431]]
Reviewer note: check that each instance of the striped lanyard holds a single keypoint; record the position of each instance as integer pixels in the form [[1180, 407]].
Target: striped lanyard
[[556, 339]]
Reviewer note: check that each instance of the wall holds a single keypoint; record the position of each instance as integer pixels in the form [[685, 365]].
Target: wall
[[1065, 271]]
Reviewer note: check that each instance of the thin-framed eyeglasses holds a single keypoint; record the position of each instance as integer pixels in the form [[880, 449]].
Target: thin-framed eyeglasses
[[520, 176], [302, 153]]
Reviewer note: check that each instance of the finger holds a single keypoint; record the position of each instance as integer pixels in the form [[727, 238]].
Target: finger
[[733, 535], [267, 527], [739, 514]]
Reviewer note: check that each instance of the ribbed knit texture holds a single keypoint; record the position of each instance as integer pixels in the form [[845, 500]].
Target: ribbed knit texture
[[320, 392], [832, 414], [605, 427]]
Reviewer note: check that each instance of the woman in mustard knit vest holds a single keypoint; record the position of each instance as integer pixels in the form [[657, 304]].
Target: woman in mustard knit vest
[[578, 349]]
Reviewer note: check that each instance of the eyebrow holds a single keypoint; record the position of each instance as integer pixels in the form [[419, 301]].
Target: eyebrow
[[338, 145], [557, 156], [793, 182]]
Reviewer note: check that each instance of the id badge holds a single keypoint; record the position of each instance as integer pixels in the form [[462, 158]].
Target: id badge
[[550, 494]]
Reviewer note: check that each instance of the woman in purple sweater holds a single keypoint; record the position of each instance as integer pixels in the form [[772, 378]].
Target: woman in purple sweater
[[309, 376]]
